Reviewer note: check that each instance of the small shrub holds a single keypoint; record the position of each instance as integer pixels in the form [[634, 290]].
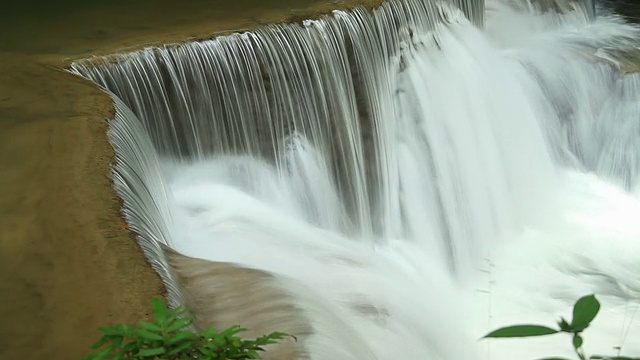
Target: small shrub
[[169, 338], [584, 311]]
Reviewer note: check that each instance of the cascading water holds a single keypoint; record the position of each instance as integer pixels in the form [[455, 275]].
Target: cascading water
[[412, 177]]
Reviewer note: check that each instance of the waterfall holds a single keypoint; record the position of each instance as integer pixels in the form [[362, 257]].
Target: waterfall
[[408, 177]]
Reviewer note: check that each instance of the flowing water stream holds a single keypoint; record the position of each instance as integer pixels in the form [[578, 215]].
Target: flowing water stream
[[413, 177]]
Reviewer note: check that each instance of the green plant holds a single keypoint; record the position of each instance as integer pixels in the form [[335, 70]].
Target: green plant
[[169, 337], [584, 311]]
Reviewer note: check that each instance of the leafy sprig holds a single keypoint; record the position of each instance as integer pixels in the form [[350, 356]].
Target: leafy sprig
[[170, 337], [584, 311]]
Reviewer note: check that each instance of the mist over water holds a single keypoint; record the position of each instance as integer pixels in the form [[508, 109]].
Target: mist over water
[[413, 177]]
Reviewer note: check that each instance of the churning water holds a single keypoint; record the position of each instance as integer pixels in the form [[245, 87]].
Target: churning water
[[413, 177]]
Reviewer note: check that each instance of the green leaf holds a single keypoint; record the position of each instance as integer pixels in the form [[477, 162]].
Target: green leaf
[[118, 340], [109, 331], [104, 354], [577, 341], [149, 335], [179, 349], [212, 345], [128, 330], [209, 333], [273, 338], [584, 311], [232, 331], [280, 335], [159, 310], [564, 325], [151, 327], [179, 324], [151, 352], [179, 312], [521, 331], [103, 340], [179, 337], [130, 346], [205, 351]]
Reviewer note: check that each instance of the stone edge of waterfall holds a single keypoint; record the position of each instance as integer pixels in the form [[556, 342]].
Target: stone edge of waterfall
[[475, 15], [135, 179]]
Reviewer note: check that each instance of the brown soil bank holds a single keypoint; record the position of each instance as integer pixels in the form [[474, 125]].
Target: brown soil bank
[[67, 262]]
